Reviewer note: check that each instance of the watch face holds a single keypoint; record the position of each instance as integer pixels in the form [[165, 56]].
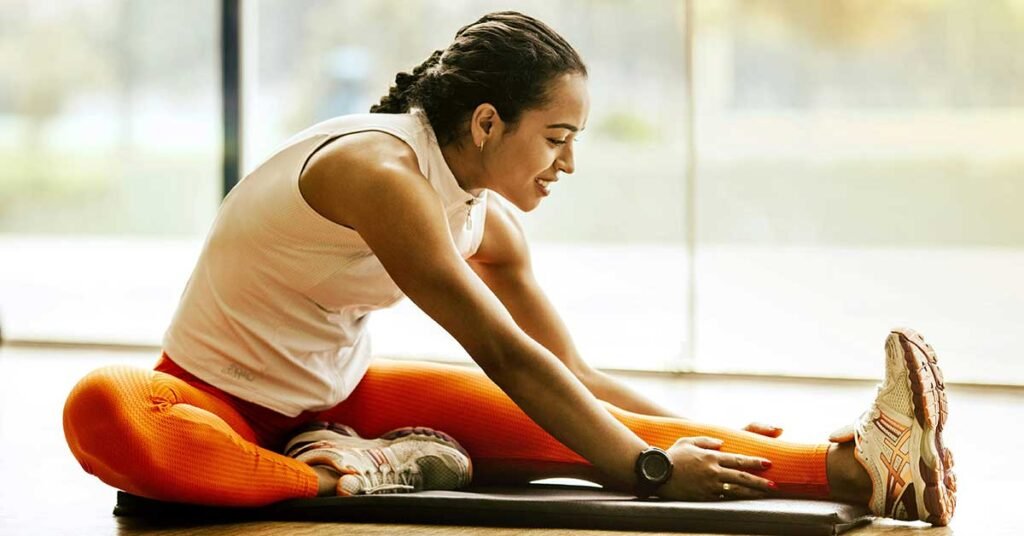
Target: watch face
[[655, 467]]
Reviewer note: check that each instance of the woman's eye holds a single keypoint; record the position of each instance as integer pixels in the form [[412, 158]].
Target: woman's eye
[[575, 139]]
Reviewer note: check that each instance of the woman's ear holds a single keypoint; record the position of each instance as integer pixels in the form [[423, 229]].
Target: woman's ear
[[483, 123]]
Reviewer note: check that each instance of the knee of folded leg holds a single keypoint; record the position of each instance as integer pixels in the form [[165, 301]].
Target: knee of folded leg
[[90, 398], [121, 390], [103, 408], [109, 436]]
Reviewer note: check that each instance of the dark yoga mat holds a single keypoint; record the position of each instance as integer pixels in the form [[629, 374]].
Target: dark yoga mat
[[530, 506]]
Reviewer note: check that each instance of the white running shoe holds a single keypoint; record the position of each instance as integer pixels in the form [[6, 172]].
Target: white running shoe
[[401, 461], [899, 440]]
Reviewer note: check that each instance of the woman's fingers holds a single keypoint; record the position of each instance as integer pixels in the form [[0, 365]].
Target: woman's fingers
[[744, 463], [714, 475], [742, 479], [737, 480], [763, 429], [842, 435], [731, 491], [708, 443], [701, 441]]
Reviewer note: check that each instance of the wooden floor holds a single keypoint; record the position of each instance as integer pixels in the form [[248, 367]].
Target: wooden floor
[[43, 491]]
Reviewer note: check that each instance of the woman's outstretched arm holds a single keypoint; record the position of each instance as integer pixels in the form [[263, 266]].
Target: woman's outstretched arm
[[503, 263]]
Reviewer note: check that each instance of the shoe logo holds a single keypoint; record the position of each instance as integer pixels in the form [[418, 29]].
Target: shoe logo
[[896, 458]]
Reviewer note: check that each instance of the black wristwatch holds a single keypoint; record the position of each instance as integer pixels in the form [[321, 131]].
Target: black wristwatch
[[653, 468]]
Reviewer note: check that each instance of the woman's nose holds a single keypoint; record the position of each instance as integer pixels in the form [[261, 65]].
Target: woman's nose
[[566, 163]]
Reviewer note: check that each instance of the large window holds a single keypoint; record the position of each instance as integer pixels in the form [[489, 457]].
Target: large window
[[110, 150], [859, 166], [854, 166]]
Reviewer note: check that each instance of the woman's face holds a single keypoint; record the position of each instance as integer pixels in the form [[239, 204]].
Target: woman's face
[[522, 165]]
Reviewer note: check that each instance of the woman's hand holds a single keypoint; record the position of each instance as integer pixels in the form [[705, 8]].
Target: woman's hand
[[702, 473], [842, 435], [763, 429]]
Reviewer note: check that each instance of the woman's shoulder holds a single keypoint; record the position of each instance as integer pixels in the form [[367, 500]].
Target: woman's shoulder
[[345, 172], [364, 150]]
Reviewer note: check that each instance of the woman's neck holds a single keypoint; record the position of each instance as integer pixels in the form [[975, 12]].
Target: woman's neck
[[466, 165]]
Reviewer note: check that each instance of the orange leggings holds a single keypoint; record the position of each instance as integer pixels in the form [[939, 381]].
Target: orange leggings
[[167, 435]]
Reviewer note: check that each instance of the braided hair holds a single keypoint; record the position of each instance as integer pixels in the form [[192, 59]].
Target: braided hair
[[506, 59]]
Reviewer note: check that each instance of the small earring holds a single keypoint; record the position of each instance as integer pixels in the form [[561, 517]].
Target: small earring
[[482, 146]]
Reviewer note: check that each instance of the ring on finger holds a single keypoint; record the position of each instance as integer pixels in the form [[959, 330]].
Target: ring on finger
[[726, 487]]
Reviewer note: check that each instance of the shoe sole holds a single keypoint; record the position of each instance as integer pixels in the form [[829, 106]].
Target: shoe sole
[[930, 411]]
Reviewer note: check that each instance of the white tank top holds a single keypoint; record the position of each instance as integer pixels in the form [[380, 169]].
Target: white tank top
[[275, 310]]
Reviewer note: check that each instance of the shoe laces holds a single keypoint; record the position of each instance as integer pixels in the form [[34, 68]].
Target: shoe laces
[[385, 479], [867, 417]]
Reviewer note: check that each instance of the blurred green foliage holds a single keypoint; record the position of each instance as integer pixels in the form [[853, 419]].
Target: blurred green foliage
[[626, 127]]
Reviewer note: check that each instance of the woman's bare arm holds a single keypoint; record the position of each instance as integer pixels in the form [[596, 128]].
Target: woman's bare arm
[[371, 183], [503, 263]]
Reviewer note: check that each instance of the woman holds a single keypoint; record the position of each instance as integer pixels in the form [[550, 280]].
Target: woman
[[354, 213]]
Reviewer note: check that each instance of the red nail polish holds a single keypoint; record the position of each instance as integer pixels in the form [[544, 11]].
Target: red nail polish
[[773, 485], [766, 464]]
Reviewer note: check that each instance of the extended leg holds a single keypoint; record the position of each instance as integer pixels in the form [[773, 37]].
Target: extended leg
[[505, 443]]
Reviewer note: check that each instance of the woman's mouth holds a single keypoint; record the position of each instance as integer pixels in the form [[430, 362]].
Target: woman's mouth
[[544, 185]]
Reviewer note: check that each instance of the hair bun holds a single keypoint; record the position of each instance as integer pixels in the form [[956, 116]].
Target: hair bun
[[505, 58], [404, 79]]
